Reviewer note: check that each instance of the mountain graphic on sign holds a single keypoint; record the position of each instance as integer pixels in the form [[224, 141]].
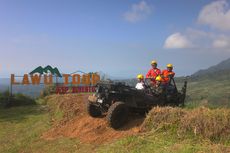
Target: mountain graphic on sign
[[41, 70]]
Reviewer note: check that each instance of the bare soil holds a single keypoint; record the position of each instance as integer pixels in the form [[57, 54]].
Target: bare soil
[[76, 123]]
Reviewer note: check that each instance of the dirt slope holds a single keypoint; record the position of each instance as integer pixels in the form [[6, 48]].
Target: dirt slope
[[78, 124]]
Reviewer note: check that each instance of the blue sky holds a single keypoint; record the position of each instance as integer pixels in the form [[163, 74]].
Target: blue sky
[[118, 37]]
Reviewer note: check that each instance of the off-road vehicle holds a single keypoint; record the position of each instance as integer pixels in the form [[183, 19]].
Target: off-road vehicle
[[118, 100]]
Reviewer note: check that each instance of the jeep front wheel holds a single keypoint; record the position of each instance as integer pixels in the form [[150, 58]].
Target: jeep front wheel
[[93, 109], [117, 115]]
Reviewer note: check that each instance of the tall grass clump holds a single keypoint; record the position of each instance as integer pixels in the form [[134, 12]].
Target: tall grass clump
[[213, 124]]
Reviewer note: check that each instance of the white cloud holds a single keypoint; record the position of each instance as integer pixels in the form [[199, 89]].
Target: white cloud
[[193, 38], [177, 40], [138, 12], [216, 15], [221, 42]]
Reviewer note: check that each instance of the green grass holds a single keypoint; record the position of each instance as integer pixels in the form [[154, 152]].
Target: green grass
[[168, 130], [22, 127], [21, 130], [209, 93], [163, 141]]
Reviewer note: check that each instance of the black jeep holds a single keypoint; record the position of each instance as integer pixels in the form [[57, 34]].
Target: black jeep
[[118, 100]]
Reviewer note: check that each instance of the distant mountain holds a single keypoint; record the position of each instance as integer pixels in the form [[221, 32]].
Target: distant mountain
[[219, 71], [222, 66]]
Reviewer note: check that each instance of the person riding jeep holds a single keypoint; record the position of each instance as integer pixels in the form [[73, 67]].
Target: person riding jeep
[[153, 72], [141, 84], [166, 74], [160, 85]]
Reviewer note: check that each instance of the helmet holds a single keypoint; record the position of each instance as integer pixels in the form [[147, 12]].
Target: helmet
[[158, 78], [170, 65], [140, 76], [153, 62]]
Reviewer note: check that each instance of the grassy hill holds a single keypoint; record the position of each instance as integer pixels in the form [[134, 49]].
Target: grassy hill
[[163, 130], [208, 92], [210, 87]]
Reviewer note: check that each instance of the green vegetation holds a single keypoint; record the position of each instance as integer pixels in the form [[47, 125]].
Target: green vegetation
[[22, 128], [164, 130], [179, 130], [163, 141], [210, 124], [208, 92], [7, 100]]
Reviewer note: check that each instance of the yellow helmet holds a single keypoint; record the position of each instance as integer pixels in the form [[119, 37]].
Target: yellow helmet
[[153, 62], [158, 78], [140, 76], [170, 65]]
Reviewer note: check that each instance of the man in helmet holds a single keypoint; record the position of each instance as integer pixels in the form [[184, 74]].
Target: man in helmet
[[153, 72], [141, 84], [168, 73]]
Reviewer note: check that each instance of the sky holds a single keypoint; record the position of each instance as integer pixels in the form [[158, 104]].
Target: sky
[[117, 37]]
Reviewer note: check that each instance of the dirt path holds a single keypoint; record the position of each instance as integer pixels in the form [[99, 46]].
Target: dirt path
[[84, 127]]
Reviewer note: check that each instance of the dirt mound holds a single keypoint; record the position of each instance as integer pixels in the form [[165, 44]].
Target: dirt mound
[[76, 123]]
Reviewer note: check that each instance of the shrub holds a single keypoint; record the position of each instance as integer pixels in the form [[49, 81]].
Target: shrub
[[4, 98], [7, 100]]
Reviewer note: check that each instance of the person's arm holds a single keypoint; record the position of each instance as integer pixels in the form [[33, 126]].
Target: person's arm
[[162, 74], [159, 72], [148, 75], [171, 75]]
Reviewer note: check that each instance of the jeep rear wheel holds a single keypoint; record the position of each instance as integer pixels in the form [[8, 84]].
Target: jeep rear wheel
[[117, 115], [93, 109]]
